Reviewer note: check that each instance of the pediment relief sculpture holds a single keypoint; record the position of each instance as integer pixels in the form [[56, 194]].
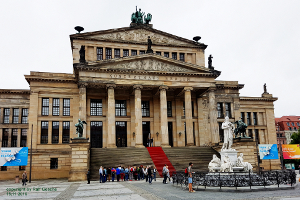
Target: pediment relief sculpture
[[140, 35], [149, 65]]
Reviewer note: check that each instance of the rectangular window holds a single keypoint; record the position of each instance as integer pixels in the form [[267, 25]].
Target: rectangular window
[[55, 132], [45, 106], [220, 110], [288, 123], [66, 132], [250, 134], [5, 137], [24, 115], [3, 168], [158, 53], [22, 168], [125, 53], [55, 108], [99, 53], [292, 123], [248, 118], [142, 52], [44, 133], [221, 132], [66, 108], [181, 56], [23, 138], [133, 52], [117, 53], [120, 107], [6, 115], [174, 55], [108, 53], [243, 117], [14, 137], [228, 110], [145, 109], [96, 107], [53, 163], [16, 115], [298, 123], [169, 108], [255, 118], [166, 54]]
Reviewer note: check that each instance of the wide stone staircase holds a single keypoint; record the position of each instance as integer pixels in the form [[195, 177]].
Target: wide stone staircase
[[178, 156]]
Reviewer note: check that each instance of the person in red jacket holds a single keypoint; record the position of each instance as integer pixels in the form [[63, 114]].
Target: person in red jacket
[[113, 172]]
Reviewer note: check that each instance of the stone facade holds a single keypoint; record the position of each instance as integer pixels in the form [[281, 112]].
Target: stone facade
[[125, 96]]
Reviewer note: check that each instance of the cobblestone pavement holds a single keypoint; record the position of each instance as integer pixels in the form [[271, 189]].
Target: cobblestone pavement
[[134, 190]]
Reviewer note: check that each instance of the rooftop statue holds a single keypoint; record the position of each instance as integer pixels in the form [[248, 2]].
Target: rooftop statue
[[138, 17], [210, 61], [149, 50], [148, 18], [265, 89], [82, 54], [79, 127]]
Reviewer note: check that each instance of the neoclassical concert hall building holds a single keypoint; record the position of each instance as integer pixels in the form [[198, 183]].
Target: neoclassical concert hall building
[[127, 95]]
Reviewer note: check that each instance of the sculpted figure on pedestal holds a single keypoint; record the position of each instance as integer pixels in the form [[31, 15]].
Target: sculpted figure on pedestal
[[215, 162], [79, 127], [228, 128], [226, 166], [239, 163]]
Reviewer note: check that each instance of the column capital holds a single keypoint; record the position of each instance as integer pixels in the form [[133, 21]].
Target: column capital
[[137, 87], [163, 87], [188, 88], [110, 86]]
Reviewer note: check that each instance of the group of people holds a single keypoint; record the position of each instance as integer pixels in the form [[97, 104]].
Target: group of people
[[129, 173]]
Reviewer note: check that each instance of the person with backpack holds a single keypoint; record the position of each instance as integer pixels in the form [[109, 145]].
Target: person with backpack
[[190, 177], [108, 174]]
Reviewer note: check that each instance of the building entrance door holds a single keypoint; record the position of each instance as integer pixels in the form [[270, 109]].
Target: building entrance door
[[96, 134], [121, 134], [170, 132], [146, 133]]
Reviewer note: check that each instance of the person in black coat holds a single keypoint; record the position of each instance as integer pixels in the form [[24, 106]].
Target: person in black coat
[[88, 176], [150, 174]]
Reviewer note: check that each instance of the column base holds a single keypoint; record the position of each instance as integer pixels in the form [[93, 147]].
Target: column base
[[165, 145], [190, 145], [111, 146], [139, 146]]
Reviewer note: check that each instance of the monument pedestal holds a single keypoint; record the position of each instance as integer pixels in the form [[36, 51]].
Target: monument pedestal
[[80, 159], [231, 154]]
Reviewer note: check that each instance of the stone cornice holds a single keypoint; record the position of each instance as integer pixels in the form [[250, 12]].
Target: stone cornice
[[258, 99], [12, 91], [223, 86]]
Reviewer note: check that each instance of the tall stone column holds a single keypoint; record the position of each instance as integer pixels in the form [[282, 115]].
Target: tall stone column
[[82, 105], [214, 128], [111, 121], [188, 116], [164, 117], [138, 116]]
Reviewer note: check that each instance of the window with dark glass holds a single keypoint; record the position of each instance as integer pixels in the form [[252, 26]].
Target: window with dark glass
[[66, 108], [250, 134], [298, 123], [23, 138], [99, 53], [248, 118], [220, 110], [142, 52], [53, 163], [96, 107], [221, 132], [288, 123], [55, 132], [24, 115], [14, 137], [169, 108], [5, 137], [3, 168], [45, 106], [255, 118], [108, 53], [66, 132], [243, 117], [120, 107], [22, 168], [125, 52], [158, 53], [117, 53], [44, 133], [256, 135], [55, 108], [133, 52], [145, 109], [166, 54], [295, 129], [228, 109], [290, 128], [16, 115], [181, 56], [6, 115], [292, 123], [174, 55]]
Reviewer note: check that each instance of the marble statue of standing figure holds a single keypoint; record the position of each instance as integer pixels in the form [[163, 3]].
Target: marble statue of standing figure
[[226, 166], [215, 162], [228, 128], [240, 163]]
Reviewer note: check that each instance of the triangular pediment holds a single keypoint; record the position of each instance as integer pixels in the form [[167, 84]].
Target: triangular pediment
[[138, 35], [150, 63]]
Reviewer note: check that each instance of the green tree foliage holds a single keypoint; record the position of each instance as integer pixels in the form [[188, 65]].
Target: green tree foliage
[[296, 137]]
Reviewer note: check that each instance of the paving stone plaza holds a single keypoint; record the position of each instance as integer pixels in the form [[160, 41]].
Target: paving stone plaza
[[135, 190]]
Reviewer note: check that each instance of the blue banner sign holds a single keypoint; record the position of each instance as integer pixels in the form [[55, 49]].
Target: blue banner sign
[[14, 156], [268, 151]]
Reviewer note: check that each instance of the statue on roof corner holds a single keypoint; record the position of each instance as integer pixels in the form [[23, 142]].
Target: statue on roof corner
[[148, 18], [210, 62], [82, 54]]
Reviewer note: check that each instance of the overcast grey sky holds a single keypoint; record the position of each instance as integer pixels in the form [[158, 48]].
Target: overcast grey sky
[[253, 42]]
